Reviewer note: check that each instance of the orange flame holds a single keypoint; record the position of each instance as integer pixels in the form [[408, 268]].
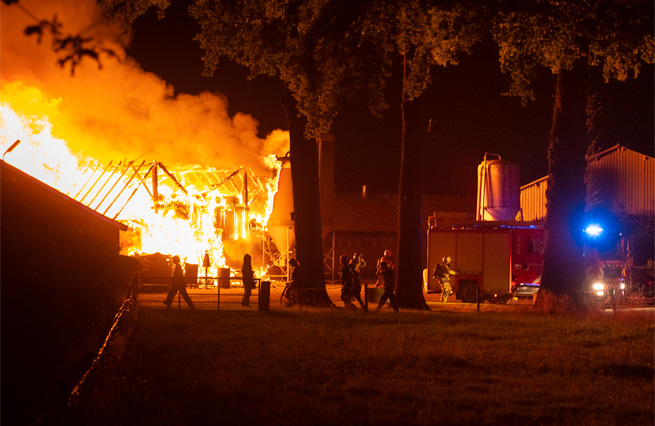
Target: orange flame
[[194, 210]]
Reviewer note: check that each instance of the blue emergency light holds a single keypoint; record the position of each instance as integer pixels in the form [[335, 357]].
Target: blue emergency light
[[593, 230]]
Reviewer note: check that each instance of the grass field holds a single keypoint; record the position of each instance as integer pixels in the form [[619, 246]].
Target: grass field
[[333, 367]]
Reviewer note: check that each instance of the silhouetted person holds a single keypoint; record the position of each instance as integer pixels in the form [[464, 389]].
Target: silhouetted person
[[295, 273], [177, 284], [248, 279], [293, 292], [346, 274], [357, 263], [389, 285]]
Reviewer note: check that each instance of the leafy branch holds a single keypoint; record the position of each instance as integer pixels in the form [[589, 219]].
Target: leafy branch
[[71, 48]]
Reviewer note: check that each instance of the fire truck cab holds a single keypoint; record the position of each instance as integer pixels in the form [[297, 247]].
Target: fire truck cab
[[491, 257]]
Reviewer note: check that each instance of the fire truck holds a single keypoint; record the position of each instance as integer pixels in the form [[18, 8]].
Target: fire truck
[[492, 257]]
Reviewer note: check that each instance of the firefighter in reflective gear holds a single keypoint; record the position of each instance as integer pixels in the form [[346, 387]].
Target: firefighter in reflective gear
[[386, 258], [442, 273]]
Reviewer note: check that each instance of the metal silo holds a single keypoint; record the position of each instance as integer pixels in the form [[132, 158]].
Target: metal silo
[[498, 189], [280, 223]]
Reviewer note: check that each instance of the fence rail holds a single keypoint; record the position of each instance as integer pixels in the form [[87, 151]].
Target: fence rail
[[203, 293]]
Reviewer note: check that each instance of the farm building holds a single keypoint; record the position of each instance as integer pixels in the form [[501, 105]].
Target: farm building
[[368, 223], [62, 282], [620, 181]]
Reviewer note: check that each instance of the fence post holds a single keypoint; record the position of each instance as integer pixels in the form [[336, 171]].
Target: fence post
[[477, 296], [264, 298]]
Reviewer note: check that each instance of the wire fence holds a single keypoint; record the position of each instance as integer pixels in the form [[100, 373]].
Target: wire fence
[[112, 348], [217, 293]]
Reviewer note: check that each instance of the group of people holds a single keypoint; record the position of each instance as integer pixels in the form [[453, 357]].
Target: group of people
[[351, 286], [178, 283]]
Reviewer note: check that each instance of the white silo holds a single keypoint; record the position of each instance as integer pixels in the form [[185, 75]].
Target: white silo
[[280, 224], [498, 189]]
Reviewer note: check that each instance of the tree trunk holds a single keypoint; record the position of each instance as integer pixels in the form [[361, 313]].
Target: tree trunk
[[563, 273], [409, 272], [307, 211]]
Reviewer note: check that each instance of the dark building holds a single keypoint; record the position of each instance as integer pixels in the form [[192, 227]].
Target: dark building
[[62, 282], [368, 223]]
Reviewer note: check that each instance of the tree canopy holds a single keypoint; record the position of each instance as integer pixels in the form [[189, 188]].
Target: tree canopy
[[328, 51], [573, 39], [615, 35]]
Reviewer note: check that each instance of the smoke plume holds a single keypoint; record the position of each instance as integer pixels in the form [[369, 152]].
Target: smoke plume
[[120, 111]]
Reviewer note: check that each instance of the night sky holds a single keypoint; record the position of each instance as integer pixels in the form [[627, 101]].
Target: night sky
[[470, 117]]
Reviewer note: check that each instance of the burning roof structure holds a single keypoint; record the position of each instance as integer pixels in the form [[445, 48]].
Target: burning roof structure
[[186, 211]]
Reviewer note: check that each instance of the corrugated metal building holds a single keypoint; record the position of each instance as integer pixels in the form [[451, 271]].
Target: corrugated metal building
[[620, 179]]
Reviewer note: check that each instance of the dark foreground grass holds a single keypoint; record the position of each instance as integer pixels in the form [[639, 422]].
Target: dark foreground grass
[[332, 367]]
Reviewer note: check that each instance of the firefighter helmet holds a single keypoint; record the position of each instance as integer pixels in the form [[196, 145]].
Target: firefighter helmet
[[388, 253], [446, 259]]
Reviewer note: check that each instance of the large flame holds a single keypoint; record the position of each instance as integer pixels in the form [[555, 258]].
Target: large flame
[[175, 168], [182, 222]]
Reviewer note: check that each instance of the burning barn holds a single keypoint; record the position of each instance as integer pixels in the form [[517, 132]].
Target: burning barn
[[193, 212]]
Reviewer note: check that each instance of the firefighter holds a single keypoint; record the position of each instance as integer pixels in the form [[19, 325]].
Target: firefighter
[[386, 258], [442, 273], [358, 262]]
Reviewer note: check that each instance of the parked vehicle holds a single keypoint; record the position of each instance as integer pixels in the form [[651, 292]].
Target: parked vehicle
[[491, 257]]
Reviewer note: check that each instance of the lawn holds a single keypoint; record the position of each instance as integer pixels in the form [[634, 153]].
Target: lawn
[[333, 367]]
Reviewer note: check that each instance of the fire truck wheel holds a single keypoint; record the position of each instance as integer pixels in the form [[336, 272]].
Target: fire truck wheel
[[469, 293]]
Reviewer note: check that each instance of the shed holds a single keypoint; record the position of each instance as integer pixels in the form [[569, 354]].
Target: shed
[[62, 278]]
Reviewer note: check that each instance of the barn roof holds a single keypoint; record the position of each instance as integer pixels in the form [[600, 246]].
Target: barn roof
[[19, 174]]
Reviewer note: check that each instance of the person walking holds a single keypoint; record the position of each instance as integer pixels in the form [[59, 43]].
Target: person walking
[[442, 273], [177, 284], [389, 285], [386, 258], [248, 278], [346, 282], [356, 264]]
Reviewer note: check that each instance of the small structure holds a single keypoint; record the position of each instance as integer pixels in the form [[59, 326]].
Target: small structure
[[62, 282]]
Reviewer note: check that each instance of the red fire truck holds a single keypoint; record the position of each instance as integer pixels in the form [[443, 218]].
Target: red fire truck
[[492, 256]]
